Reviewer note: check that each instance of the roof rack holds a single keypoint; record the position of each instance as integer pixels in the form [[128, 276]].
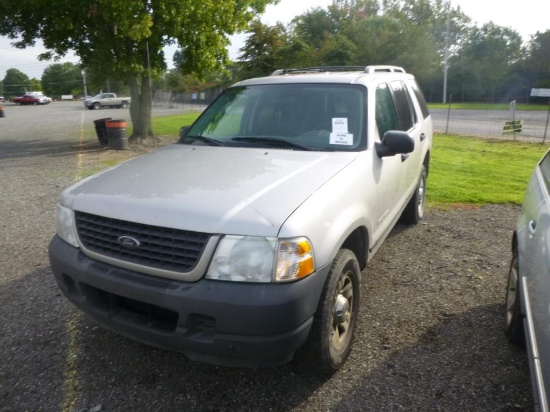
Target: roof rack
[[321, 69], [382, 68]]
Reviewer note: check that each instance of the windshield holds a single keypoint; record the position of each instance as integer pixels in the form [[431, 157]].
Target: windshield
[[293, 116]]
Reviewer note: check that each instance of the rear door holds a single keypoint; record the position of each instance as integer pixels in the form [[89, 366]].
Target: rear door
[[534, 259]]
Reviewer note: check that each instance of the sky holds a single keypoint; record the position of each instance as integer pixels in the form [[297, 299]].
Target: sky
[[526, 17]]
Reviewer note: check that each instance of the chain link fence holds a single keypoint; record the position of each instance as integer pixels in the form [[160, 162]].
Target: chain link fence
[[187, 102], [507, 124]]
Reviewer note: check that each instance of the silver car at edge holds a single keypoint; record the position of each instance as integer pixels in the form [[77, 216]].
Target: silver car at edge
[[528, 290]]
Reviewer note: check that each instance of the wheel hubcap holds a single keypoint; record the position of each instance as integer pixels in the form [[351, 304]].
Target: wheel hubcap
[[343, 313], [421, 196], [511, 295]]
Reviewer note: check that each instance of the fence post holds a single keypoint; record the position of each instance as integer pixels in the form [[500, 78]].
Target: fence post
[[546, 126], [513, 110], [448, 114]]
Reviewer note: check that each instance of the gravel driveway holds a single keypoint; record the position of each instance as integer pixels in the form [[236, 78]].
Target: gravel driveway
[[430, 335]]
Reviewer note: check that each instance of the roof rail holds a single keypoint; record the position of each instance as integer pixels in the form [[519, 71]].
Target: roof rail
[[321, 69], [381, 68]]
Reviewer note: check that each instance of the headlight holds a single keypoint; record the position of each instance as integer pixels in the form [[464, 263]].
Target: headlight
[[261, 260], [65, 225], [294, 260]]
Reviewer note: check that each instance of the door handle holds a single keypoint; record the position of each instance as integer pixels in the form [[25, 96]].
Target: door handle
[[532, 227], [404, 157], [422, 137]]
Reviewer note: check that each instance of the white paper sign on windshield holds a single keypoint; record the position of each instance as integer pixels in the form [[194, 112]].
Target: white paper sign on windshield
[[340, 134], [339, 125]]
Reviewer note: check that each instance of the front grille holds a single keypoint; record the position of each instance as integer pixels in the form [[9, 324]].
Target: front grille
[[161, 248]]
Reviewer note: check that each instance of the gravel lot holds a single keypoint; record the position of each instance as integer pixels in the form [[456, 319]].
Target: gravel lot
[[429, 338]]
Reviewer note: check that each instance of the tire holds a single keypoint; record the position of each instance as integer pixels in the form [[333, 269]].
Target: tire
[[332, 331], [514, 320], [96, 106], [124, 105], [414, 211]]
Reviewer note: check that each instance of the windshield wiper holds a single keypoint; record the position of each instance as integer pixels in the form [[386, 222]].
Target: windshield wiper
[[271, 142], [207, 140]]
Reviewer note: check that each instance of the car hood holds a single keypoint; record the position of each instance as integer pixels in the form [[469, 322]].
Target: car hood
[[208, 189]]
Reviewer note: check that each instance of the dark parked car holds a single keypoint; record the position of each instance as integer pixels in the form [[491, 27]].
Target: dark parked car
[[528, 291], [32, 99]]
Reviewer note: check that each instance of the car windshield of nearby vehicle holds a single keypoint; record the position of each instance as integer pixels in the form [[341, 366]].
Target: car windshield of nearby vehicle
[[295, 116]]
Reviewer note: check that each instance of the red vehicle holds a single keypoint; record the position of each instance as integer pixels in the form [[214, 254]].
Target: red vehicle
[[31, 99]]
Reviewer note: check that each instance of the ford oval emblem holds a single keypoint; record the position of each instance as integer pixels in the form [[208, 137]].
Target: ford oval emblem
[[129, 242]]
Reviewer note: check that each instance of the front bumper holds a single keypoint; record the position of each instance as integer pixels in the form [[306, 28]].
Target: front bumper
[[224, 323]]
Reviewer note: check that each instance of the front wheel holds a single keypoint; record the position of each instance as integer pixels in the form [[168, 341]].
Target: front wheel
[[96, 106], [514, 321], [414, 211], [329, 344]]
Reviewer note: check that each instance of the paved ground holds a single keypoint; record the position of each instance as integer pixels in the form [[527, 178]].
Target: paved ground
[[430, 335]]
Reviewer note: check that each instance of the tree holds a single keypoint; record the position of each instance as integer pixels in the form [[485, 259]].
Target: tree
[[538, 60], [59, 79], [261, 53], [484, 63], [16, 83], [124, 39]]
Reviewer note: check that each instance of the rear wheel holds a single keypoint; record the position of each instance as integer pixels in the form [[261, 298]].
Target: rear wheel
[[124, 105], [414, 211], [331, 337], [514, 321]]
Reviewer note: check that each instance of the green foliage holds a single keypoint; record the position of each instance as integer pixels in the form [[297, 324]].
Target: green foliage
[[16, 83], [262, 51], [124, 39], [470, 170], [487, 63], [62, 79]]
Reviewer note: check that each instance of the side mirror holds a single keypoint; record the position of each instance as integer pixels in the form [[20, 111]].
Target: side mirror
[[395, 142], [184, 130]]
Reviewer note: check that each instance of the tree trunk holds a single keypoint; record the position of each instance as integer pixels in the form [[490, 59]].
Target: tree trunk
[[140, 108]]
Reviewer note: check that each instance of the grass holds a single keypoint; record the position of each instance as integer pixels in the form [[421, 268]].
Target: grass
[[462, 169], [480, 171], [170, 125], [488, 106]]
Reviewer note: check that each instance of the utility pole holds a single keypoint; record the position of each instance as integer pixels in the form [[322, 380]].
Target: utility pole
[[446, 58]]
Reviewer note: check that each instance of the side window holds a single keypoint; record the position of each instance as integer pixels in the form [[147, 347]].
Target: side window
[[421, 100], [405, 113], [386, 118]]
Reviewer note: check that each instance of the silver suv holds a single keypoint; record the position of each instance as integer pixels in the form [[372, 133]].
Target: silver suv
[[245, 241]]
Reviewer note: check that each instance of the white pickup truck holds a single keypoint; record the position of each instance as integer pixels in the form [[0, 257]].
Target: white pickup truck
[[246, 240], [107, 100]]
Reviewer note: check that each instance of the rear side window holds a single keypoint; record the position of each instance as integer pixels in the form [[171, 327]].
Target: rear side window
[[421, 100], [406, 115], [386, 118], [394, 108]]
